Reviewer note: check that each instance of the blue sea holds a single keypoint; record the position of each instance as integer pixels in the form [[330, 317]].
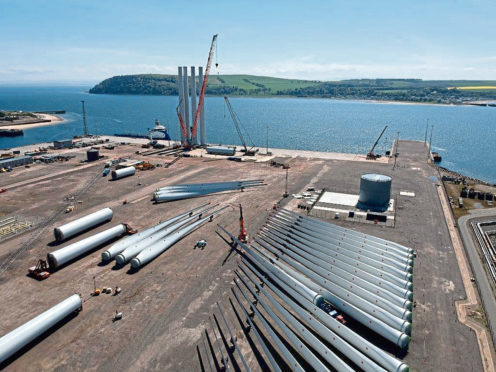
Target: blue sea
[[465, 136]]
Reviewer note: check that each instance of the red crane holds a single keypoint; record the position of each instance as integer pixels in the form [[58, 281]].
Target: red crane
[[243, 236], [203, 88], [184, 130]]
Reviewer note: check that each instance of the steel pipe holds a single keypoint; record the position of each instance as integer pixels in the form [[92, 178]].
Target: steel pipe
[[132, 239], [82, 224], [26, 333], [156, 249], [64, 255]]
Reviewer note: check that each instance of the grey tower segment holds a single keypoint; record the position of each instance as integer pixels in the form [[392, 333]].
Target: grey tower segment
[[181, 95], [186, 100], [193, 99], [203, 134], [82, 224], [23, 335], [64, 255]]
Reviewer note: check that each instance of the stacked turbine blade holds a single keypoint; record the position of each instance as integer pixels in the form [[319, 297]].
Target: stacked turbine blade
[[178, 192], [304, 272], [150, 243]]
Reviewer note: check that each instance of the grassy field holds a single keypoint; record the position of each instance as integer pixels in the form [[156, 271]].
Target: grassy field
[[251, 82], [483, 87]]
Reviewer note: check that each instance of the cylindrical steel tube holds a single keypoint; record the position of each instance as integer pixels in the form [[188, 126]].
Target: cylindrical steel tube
[[82, 224], [23, 335], [63, 255], [123, 172]]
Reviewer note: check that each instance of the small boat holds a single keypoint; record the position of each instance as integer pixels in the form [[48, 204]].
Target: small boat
[[11, 132], [437, 158], [159, 132]]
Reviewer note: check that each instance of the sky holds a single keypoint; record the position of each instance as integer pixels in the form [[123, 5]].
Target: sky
[[73, 41]]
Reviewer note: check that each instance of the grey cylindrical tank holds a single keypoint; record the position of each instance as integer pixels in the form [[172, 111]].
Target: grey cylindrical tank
[[375, 190], [23, 335], [63, 255], [123, 172], [82, 224], [92, 155]]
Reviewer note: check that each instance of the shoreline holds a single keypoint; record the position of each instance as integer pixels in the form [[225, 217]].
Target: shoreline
[[361, 100], [54, 120]]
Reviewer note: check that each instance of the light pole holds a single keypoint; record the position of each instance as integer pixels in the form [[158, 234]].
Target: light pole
[[286, 194], [430, 144], [426, 127], [267, 144], [396, 152]]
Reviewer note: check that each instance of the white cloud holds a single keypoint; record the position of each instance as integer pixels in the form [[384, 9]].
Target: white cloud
[[305, 67]]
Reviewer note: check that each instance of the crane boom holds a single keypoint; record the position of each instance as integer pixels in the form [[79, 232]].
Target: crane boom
[[184, 130], [203, 88], [236, 123], [371, 154]]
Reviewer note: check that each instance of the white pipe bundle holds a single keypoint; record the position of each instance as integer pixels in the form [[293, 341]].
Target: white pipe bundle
[[134, 249], [121, 245], [161, 246], [179, 192]]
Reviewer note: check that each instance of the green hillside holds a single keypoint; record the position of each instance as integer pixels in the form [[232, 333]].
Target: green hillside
[[217, 84], [413, 90]]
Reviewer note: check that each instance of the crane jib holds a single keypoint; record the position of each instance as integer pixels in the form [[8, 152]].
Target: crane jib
[[203, 88]]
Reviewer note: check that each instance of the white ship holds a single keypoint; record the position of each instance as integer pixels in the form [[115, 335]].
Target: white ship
[[159, 132]]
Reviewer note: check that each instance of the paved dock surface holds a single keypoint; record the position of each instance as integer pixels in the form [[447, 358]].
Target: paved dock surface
[[166, 305]]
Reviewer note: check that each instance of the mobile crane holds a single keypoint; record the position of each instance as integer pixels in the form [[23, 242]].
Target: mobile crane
[[235, 120], [371, 155]]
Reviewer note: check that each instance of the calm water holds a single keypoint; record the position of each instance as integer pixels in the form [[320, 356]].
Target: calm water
[[463, 135]]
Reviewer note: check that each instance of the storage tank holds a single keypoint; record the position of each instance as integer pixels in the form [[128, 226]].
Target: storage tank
[[123, 172], [375, 191], [82, 224], [92, 154]]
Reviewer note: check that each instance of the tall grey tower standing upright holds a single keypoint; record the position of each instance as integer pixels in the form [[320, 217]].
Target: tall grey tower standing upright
[[203, 137], [194, 140], [186, 100], [181, 96]]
